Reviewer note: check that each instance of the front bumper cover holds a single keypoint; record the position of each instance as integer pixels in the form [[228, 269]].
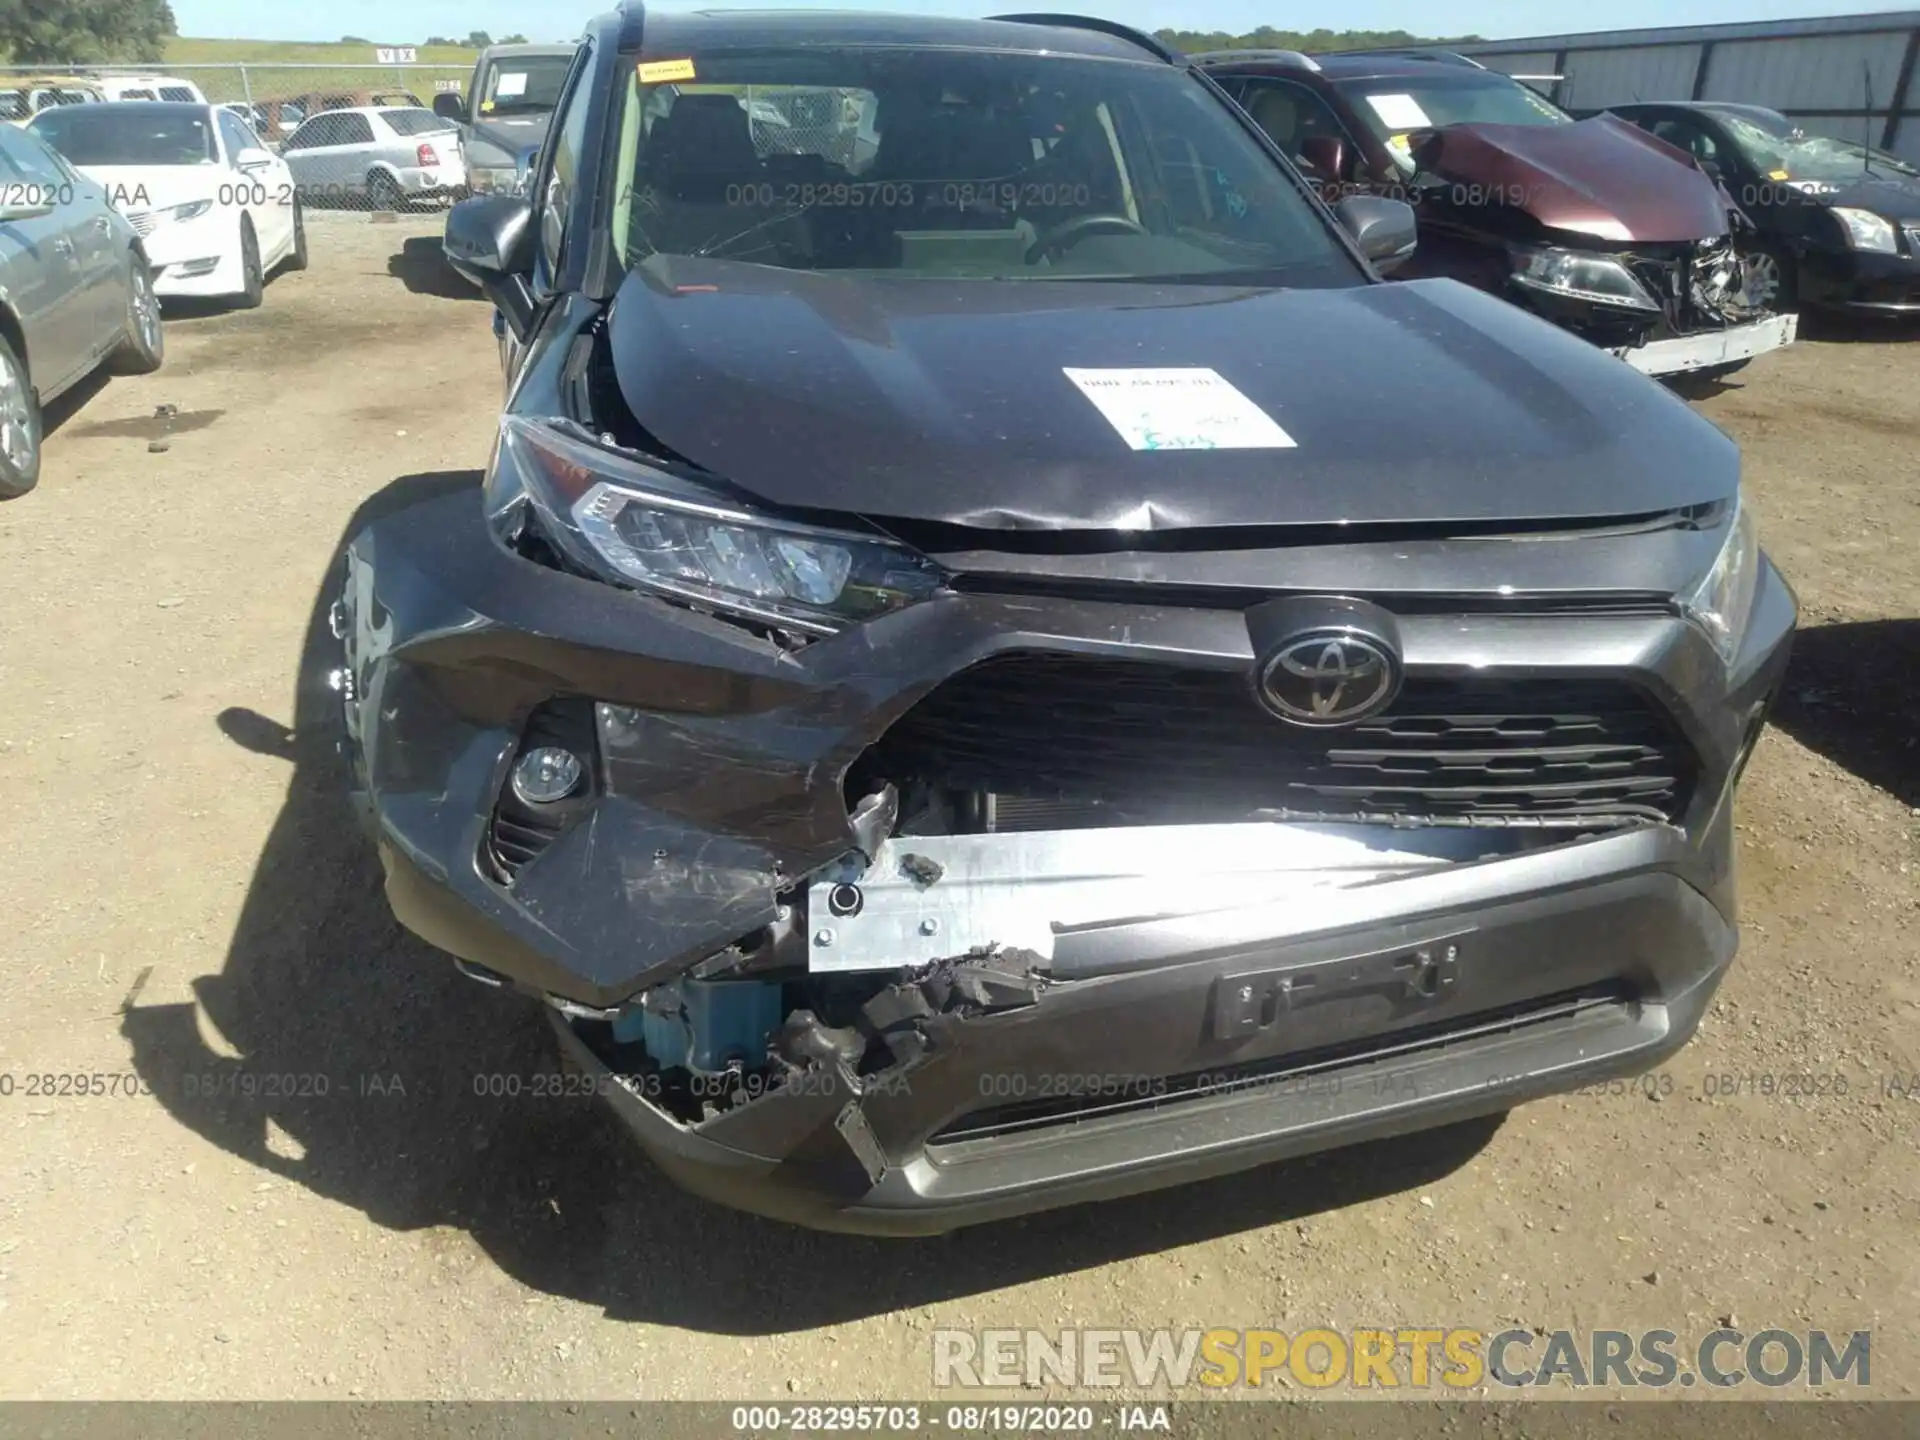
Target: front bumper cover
[[1442, 992], [1709, 349]]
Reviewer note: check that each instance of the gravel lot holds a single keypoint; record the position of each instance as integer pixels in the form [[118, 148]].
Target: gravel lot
[[183, 904]]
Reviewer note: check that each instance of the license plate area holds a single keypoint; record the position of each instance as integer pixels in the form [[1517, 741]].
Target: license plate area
[[1340, 998]]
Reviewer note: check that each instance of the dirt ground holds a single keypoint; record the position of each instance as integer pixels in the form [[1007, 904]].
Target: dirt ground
[[183, 907]]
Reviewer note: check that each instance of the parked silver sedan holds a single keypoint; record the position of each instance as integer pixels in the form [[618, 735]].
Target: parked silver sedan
[[75, 291], [379, 155]]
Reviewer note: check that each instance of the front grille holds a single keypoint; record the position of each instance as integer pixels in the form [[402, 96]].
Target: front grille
[[142, 221], [1146, 743]]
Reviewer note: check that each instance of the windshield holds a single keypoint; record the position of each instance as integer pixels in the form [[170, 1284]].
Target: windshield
[[1395, 106], [127, 135], [1793, 155], [523, 82], [960, 164]]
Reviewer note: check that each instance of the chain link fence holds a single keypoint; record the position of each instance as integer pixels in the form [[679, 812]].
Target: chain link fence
[[351, 162]]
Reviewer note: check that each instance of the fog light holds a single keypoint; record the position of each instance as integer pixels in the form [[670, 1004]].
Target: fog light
[[540, 777]]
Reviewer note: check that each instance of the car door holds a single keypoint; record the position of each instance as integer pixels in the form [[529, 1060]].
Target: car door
[[98, 242], [45, 277], [355, 154], [312, 154]]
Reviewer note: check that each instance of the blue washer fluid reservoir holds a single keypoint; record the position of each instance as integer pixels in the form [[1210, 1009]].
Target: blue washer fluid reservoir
[[704, 1024]]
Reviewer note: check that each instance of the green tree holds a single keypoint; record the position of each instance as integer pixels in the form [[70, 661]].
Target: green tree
[[479, 40], [513, 40], [76, 32], [355, 40]]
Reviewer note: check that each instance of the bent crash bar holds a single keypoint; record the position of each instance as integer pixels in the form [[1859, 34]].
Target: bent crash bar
[[927, 898]]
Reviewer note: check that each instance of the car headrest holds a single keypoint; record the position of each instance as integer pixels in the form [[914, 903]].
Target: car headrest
[[702, 142]]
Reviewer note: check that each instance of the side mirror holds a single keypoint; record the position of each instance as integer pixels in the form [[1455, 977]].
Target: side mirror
[[450, 105], [252, 158], [1326, 155], [1385, 230], [490, 240]]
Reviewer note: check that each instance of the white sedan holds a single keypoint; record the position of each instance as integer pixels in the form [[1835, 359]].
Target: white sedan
[[215, 210], [383, 155]]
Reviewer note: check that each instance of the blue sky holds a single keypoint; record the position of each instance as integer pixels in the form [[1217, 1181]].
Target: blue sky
[[403, 21]]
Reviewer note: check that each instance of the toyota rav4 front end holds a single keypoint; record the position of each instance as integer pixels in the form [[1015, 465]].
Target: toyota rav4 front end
[[1046, 679]]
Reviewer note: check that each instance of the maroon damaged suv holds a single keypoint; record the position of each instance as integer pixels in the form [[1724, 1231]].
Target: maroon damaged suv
[[1593, 224]]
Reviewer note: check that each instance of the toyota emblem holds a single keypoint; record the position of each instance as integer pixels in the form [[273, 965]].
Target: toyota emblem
[[1328, 678]]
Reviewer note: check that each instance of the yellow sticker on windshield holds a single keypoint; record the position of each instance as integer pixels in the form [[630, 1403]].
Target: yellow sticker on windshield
[[1778, 175], [663, 72]]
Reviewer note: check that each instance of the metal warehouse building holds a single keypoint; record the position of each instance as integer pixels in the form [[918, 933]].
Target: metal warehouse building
[[1850, 76]]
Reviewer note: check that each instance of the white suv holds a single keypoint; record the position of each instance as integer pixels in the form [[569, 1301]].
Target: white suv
[[149, 87]]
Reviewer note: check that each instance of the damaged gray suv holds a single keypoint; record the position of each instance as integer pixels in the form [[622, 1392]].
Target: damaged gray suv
[[997, 662]]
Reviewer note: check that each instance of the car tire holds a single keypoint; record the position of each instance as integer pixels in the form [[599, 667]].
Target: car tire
[[383, 191], [253, 279], [1773, 280], [19, 426], [297, 256], [144, 346]]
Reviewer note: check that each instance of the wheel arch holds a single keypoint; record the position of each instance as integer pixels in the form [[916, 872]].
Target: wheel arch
[[15, 335]]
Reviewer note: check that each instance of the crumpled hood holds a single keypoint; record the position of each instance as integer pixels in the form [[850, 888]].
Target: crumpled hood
[[509, 134], [133, 188], [929, 400], [1601, 177]]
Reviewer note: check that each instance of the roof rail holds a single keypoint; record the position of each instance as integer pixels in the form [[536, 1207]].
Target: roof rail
[[1435, 53], [1298, 59], [1151, 44]]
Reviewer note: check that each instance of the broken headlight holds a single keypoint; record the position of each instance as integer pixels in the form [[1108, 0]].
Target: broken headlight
[[635, 524], [1719, 604], [1578, 276]]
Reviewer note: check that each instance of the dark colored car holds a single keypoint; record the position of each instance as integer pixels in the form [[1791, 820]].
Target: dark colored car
[[1624, 241], [1840, 220], [506, 108], [1027, 672]]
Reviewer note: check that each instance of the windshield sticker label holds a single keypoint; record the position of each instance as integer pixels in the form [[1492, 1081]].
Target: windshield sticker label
[[665, 72], [1399, 112], [1187, 409], [508, 86]]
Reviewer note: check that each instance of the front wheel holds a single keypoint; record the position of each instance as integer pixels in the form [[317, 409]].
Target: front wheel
[[297, 257], [1772, 281], [253, 280], [144, 345], [19, 427]]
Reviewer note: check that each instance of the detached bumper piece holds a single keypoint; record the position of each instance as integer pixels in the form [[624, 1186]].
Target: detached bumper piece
[[1707, 350], [972, 911]]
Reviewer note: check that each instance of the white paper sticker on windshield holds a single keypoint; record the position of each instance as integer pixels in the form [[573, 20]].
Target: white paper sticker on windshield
[[1186, 409], [509, 85], [1399, 112]]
